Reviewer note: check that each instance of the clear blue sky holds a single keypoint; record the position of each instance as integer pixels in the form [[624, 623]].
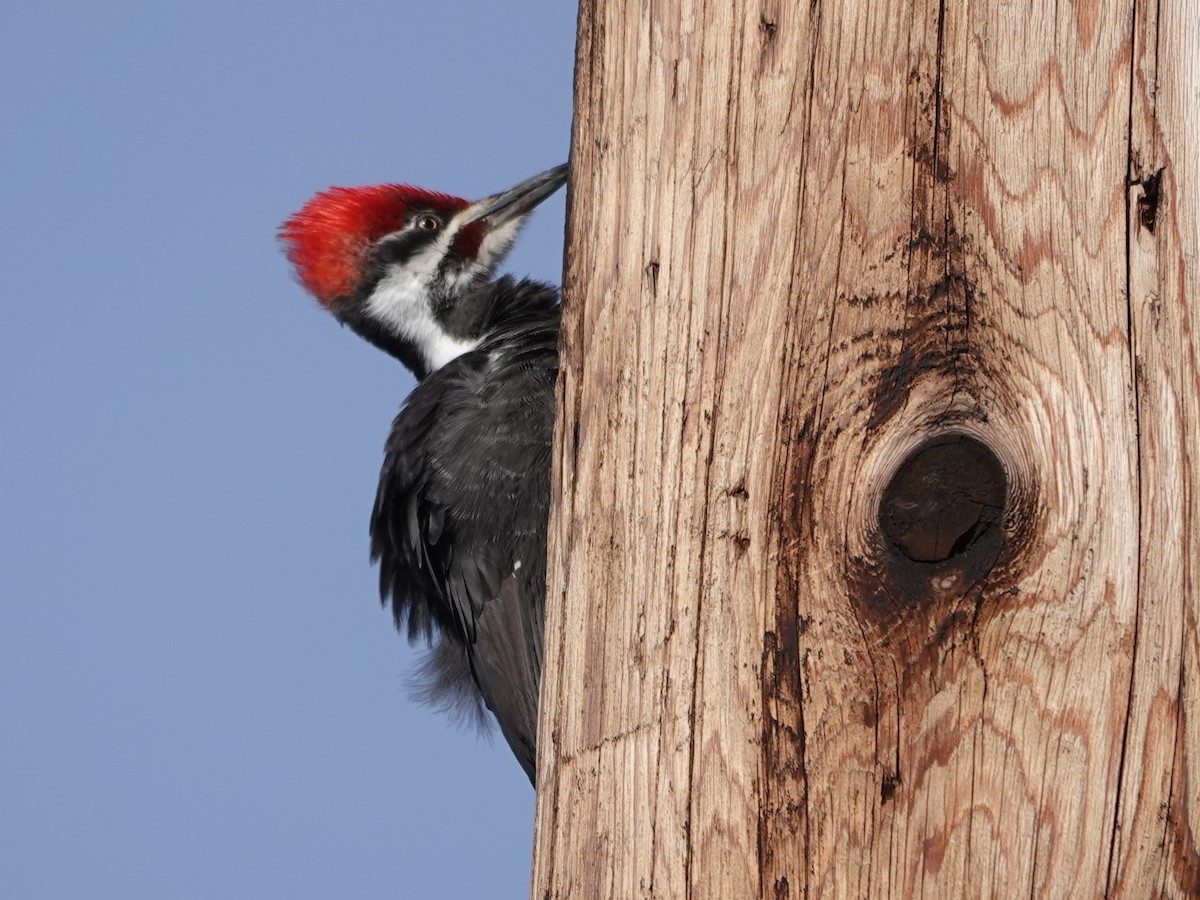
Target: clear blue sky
[[200, 696]]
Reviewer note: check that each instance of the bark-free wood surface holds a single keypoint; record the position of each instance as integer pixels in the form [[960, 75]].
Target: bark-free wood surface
[[804, 240]]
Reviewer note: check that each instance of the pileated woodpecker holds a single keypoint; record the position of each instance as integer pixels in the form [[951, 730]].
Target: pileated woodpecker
[[459, 524]]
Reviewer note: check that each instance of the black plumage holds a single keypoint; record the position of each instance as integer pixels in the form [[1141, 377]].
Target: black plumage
[[459, 524]]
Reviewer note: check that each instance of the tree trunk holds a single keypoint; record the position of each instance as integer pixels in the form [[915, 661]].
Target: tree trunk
[[874, 565]]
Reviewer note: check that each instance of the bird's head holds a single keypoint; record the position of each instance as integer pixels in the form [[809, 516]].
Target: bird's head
[[403, 266]]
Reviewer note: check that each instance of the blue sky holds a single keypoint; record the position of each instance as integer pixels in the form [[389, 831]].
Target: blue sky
[[200, 695]]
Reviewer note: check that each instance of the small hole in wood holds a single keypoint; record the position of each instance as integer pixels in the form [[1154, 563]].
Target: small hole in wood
[[1147, 203]]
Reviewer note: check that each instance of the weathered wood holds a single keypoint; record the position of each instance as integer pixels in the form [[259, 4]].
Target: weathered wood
[[1157, 828], [806, 241]]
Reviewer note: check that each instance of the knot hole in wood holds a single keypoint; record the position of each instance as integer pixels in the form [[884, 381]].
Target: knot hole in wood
[[941, 521], [944, 500]]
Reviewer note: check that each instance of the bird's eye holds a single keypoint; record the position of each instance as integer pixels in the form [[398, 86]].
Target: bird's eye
[[428, 223]]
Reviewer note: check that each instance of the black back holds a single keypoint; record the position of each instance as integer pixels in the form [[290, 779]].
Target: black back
[[459, 526]]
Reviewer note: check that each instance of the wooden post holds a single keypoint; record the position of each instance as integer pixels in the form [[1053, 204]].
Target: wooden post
[[874, 568]]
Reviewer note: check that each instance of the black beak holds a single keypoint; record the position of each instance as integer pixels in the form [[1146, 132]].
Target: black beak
[[518, 200]]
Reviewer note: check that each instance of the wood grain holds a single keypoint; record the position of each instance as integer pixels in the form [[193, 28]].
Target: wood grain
[[804, 240], [1157, 828]]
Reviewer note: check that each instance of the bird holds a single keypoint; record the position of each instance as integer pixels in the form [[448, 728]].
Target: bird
[[458, 527]]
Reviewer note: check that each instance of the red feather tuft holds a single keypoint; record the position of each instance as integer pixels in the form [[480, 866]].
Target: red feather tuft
[[467, 241], [327, 240]]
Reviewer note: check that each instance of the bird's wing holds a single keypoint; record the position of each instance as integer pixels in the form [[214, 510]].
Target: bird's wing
[[459, 528], [405, 524], [506, 660]]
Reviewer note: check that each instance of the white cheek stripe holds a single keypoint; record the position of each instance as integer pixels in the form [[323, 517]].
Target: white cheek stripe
[[401, 302]]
